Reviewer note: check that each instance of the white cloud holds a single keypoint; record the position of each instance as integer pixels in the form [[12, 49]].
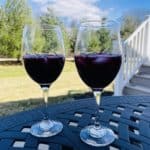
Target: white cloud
[[74, 9]]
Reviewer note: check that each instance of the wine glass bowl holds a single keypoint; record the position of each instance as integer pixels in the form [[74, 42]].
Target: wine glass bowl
[[97, 70], [98, 59], [43, 68], [43, 58]]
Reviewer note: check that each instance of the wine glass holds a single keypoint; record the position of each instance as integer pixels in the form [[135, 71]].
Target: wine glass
[[98, 60], [43, 57]]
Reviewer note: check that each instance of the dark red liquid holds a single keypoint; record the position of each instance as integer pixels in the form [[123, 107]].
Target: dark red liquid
[[98, 70], [43, 68]]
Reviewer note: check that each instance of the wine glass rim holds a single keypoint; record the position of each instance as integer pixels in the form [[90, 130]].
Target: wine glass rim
[[99, 23]]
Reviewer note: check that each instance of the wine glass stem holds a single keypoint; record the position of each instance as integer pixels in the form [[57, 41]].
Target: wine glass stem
[[97, 95], [45, 95]]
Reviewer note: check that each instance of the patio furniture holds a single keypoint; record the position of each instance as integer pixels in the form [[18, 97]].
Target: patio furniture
[[128, 116]]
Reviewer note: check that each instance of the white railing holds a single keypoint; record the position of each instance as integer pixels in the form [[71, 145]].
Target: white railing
[[136, 51]]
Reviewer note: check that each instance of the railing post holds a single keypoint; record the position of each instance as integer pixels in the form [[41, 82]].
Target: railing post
[[118, 84], [148, 41]]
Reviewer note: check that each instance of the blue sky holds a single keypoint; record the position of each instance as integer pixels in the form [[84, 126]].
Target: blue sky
[[78, 9], [125, 4], [92, 8]]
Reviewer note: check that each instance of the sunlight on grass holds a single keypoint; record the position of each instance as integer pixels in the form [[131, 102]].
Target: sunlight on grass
[[17, 85], [18, 71], [11, 71]]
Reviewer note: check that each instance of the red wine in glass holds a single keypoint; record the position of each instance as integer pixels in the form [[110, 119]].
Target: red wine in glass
[[98, 70], [43, 68]]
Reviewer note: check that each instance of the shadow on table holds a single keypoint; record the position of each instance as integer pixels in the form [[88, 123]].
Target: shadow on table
[[22, 105], [78, 96]]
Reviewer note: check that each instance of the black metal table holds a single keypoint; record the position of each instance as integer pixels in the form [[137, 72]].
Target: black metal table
[[128, 116]]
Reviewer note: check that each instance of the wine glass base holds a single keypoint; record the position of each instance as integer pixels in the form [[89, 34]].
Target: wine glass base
[[50, 128], [105, 138]]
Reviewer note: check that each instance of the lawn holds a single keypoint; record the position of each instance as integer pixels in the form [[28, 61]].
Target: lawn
[[18, 92]]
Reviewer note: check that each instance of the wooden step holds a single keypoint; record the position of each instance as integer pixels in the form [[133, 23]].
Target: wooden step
[[141, 79], [131, 89], [144, 69]]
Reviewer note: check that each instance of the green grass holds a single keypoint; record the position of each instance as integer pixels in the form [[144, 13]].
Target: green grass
[[7, 71], [11, 71], [17, 85], [18, 92]]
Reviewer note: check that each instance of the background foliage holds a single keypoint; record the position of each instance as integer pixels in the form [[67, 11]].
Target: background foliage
[[14, 14]]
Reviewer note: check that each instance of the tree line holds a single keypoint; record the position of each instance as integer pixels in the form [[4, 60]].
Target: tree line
[[14, 14]]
